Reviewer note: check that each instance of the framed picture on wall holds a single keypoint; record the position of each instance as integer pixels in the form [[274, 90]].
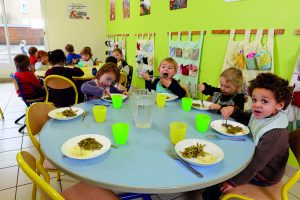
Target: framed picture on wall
[[145, 7], [177, 4], [78, 11], [126, 9], [112, 10]]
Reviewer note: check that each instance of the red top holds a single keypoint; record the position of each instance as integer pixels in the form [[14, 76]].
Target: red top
[[33, 60], [29, 83]]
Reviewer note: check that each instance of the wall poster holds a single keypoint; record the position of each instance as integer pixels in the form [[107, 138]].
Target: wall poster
[[77, 11], [126, 9], [145, 7], [112, 10]]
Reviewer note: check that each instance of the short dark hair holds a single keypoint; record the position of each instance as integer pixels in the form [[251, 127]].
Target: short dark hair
[[56, 56], [32, 50], [69, 48], [22, 62], [109, 67], [280, 87], [111, 59]]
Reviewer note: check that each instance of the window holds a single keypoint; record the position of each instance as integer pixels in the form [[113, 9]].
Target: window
[[24, 7]]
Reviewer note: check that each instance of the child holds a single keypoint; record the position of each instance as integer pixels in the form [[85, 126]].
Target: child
[[123, 66], [23, 47], [65, 97], [111, 59], [30, 84], [270, 96], [42, 58], [165, 82], [103, 84], [32, 55], [230, 93], [72, 58], [86, 56]]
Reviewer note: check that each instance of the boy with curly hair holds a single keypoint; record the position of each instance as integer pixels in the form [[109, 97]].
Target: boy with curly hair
[[270, 96]]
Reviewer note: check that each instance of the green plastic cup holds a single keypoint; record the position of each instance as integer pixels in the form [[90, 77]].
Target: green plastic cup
[[177, 131], [161, 100], [117, 100], [202, 122], [120, 132], [186, 103], [99, 113]]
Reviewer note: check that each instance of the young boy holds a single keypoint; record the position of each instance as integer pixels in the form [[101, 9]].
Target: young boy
[[30, 84], [165, 82], [267, 122], [32, 55], [71, 58]]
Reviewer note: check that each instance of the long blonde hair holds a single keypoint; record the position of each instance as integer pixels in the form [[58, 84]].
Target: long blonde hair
[[235, 76]]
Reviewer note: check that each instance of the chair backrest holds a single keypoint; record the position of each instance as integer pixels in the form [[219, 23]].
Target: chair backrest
[[18, 87], [32, 168], [59, 82], [187, 94], [123, 79], [36, 117], [129, 77]]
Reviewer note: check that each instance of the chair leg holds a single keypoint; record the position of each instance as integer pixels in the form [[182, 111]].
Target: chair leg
[[21, 129], [1, 113], [17, 120]]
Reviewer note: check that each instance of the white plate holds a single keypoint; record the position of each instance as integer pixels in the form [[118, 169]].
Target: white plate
[[57, 113], [103, 97], [170, 97], [206, 105], [217, 125], [209, 147], [68, 147]]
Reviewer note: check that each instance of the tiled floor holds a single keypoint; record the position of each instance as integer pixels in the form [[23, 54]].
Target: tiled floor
[[14, 185]]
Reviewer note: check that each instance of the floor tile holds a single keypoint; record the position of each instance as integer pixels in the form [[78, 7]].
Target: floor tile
[[10, 123], [10, 144], [23, 178], [27, 142], [24, 192], [9, 133], [67, 181], [8, 177], [8, 194], [13, 115], [8, 159]]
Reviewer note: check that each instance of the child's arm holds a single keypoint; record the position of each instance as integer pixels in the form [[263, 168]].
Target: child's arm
[[176, 89], [209, 90], [91, 88], [239, 101], [76, 71], [236, 113], [148, 83]]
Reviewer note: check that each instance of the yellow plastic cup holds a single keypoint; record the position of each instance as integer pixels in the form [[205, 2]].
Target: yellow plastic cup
[[202, 122], [161, 100], [117, 100], [120, 132], [99, 113], [186, 103], [177, 131]]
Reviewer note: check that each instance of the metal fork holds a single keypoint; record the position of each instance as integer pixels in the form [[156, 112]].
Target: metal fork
[[202, 100], [187, 165]]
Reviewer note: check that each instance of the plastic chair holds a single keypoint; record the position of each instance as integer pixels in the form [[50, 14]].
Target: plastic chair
[[273, 192], [59, 82], [79, 191], [187, 94], [27, 101]]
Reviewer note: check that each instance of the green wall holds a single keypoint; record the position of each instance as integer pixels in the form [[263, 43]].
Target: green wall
[[208, 15]]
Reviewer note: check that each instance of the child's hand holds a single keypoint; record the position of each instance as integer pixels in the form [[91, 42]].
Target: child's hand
[[224, 187], [125, 93], [107, 91], [165, 82], [227, 111], [215, 106], [201, 87], [146, 76]]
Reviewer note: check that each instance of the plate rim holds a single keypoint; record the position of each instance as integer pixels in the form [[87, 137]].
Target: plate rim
[[198, 100], [227, 134], [67, 118], [110, 101], [196, 163], [85, 135], [172, 96]]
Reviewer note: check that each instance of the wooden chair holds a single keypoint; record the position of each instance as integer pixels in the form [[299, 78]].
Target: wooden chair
[[27, 101], [187, 94], [123, 79], [1, 113], [58, 83], [273, 192], [33, 169]]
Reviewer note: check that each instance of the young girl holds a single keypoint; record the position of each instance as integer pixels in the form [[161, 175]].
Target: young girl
[[30, 84], [62, 98], [270, 96], [230, 93], [165, 82], [104, 82], [86, 56], [123, 66], [42, 58], [72, 58]]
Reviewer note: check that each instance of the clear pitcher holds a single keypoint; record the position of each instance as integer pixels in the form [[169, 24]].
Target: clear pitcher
[[143, 102]]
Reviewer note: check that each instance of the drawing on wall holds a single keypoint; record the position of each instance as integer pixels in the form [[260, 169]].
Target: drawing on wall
[[78, 11], [112, 10], [145, 7], [126, 9], [178, 4]]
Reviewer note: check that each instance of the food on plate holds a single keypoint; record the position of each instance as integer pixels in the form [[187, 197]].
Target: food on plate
[[198, 105], [66, 113], [107, 98], [229, 128], [197, 151], [90, 144], [78, 151]]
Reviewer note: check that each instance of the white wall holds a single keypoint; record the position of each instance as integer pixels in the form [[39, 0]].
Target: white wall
[[61, 30]]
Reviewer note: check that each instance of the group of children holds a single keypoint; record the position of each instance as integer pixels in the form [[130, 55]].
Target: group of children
[[270, 95]]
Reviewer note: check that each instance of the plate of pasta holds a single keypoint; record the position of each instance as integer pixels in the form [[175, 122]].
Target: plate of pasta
[[230, 128], [197, 104], [199, 152], [86, 146], [65, 113]]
